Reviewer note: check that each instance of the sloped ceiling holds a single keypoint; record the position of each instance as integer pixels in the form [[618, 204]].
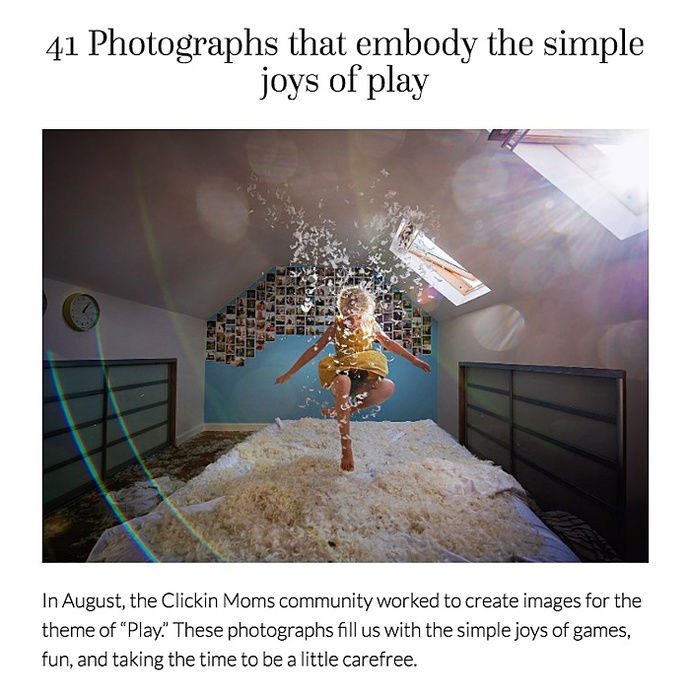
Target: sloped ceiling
[[185, 220]]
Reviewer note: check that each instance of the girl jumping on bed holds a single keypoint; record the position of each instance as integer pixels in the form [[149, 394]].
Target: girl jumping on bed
[[355, 370]]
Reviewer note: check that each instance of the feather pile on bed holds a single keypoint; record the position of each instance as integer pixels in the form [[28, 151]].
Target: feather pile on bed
[[416, 495]]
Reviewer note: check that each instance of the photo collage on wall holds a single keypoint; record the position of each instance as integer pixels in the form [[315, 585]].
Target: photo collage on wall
[[298, 301]]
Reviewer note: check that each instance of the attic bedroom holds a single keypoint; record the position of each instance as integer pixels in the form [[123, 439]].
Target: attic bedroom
[[345, 346]]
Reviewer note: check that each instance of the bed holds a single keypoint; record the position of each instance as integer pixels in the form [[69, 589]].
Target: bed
[[279, 496]]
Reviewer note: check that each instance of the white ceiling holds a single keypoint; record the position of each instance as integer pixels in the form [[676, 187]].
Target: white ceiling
[[185, 220]]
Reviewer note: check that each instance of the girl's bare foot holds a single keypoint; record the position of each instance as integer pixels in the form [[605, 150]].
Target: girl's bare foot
[[347, 462]]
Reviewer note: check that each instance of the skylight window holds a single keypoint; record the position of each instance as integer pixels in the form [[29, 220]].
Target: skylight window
[[603, 171], [434, 265]]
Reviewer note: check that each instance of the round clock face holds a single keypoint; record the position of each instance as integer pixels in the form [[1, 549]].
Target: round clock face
[[81, 311]]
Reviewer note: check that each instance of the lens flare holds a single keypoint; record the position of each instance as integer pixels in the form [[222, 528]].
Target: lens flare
[[429, 299], [480, 184], [527, 277], [499, 328], [625, 345], [151, 241], [92, 469], [136, 455], [584, 243], [223, 209]]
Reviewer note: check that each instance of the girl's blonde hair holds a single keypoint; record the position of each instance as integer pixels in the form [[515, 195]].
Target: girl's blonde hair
[[356, 300]]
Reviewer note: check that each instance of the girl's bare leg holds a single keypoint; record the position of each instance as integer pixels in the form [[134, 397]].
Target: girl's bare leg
[[341, 395], [372, 393]]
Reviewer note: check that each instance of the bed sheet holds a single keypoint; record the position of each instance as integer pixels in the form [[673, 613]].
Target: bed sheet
[[116, 544]]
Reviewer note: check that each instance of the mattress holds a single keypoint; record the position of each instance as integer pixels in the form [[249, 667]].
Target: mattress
[[416, 495]]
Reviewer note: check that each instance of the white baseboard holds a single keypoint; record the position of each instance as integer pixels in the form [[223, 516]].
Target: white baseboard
[[246, 427], [188, 434]]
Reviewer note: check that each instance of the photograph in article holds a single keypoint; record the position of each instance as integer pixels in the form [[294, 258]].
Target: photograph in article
[[345, 345]]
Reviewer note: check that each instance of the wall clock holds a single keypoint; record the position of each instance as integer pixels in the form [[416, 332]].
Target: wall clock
[[81, 311]]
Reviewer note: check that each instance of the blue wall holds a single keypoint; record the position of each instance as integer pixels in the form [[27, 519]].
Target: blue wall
[[249, 395]]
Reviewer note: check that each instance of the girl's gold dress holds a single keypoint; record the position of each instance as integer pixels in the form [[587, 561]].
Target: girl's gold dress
[[353, 351]]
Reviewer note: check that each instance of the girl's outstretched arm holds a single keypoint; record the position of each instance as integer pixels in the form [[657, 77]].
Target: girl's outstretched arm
[[311, 352], [398, 349]]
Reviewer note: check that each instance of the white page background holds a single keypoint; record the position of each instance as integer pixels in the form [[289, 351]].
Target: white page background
[[647, 92]]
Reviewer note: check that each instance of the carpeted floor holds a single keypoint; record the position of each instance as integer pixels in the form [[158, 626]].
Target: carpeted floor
[[70, 532]]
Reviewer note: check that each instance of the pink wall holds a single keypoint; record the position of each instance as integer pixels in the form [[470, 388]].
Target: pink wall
[[593, 315]]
